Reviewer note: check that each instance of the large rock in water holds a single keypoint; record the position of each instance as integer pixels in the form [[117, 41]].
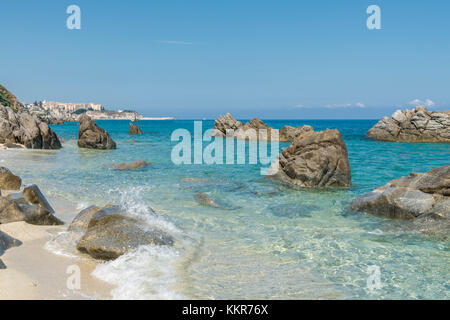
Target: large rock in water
[[110, 233], [92, 136], [134, 129], [314, 159], [29, 206], [224, 123], [9, 181], [289, 133], [255, 129], [417, 125], [21, 127], [410, 197]]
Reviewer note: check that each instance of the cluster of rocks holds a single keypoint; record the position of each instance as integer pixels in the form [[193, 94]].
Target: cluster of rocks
[[422, 197], [91, 136], [134, 129], [109, 232], [30, 206], [314, 159], [410, 197], [417, 125], [255, 129], [21, 127]]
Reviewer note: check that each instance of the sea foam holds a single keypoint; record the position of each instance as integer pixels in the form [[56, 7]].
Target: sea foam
[[150, 271]]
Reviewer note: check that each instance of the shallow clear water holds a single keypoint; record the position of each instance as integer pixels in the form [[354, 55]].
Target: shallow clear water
[[266, 240]]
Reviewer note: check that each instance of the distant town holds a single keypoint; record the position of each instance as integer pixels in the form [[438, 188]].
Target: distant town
[[56, 112]]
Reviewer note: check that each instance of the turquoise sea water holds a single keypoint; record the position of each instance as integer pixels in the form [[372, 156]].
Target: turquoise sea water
[[266, 240]]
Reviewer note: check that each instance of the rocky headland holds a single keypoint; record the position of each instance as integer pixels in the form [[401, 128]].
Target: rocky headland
[[417, 125]]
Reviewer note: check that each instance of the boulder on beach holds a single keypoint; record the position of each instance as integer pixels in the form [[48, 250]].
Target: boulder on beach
[[131, 165], [109, 232], [30, 206], [417, 125], [91, 136], [21, 127], [289, 133], [134, 129], [6, 242], [314, 159], [8, 180]]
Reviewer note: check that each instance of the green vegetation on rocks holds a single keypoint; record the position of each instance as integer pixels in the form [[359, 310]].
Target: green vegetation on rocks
[[7, 98]]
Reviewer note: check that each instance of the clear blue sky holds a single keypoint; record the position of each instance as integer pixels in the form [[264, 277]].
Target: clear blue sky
[[198, 59]]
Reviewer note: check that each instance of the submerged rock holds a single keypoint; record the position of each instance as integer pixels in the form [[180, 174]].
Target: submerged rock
[[110, 233], [205, 200], [91, 136], [9, 181], [289, 133], [417, 125], [314, 159], [134, 129], [21, 127], [29, 206], [131, 165], [410, 197]]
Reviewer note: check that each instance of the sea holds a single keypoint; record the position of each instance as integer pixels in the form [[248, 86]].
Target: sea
[[261, 239]]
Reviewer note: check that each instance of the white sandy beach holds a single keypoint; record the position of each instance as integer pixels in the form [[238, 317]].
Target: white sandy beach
[[33, 272]]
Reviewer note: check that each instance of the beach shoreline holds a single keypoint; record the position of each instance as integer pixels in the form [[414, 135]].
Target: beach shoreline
[[35, 272]]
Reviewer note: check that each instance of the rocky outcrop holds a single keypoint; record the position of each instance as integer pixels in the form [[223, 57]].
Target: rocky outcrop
[[410, 197], [224, 123], [134, 129], [20, 127], [110, 233], [29, 206], [91, 136], [6, 242], [314, 159], [9, 181], [289, 133], [131, 165], [255, 129], [417, 125]]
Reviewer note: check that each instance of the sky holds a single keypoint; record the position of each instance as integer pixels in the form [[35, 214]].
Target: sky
[[193, 59]]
